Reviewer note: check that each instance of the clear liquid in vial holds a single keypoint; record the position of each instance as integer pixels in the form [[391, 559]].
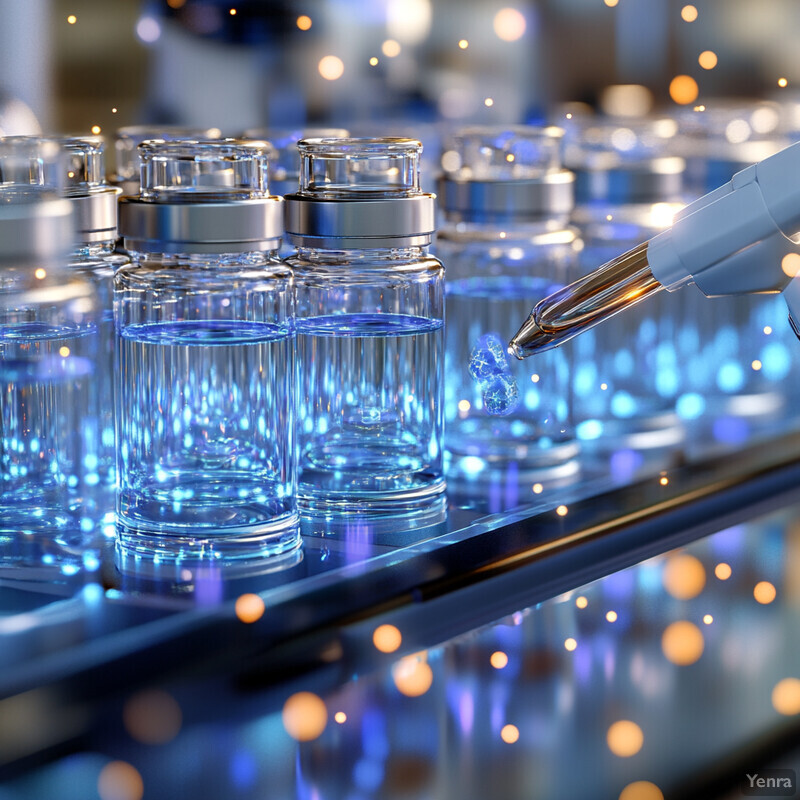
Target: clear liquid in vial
[[45, 381], [370, 412], [206, 438]]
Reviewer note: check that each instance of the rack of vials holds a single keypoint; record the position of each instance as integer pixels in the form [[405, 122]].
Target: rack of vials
[[194, 367]]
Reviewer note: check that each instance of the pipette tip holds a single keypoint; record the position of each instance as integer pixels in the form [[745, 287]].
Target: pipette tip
[[530, 339]]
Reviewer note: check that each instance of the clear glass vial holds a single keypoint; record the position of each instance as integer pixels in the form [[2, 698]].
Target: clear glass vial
[[206, 377], [94, 204], [507, 244], [630, 371], [370, 329], [48, 334]]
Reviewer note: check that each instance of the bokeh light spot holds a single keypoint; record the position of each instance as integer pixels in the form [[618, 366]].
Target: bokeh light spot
[[688, 13], [391, 48], [412, 676], [722, 571], [790, 264], [625, 738], [249, 607], [119, 780], [707, 59], [683, 89], [684, 577], [570, 644], [509, 24], [331, 68], [581, 602], [682, 643], [72, 19], [641, 790], [340, 717], [304, 22], [498, 659], [611, 616], [304, 716], [387, 638], [152, 717], [764, 592], [509, 734], [786, 697]]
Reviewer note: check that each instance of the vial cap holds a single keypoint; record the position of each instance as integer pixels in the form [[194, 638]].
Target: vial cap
[[127, 139], [503, 154], [351, 169], [31, 169], [203, 171]]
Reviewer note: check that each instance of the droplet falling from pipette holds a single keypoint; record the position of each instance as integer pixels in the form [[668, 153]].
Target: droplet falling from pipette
[[488, 367]]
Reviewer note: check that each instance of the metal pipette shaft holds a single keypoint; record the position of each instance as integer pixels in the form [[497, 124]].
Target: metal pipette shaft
[[617, 285]]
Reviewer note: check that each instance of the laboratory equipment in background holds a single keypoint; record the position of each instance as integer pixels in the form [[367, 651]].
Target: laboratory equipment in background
[[506, 202], [206, 379], [48, 325], [734, 240], [127, 164], [370, 330], [629, 373]]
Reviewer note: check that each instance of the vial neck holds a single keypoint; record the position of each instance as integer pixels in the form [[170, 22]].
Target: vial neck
[[95, 249], [362, 255], [206, 260]]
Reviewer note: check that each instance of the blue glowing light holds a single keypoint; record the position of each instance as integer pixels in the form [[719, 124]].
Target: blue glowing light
[[730, 377], [731, 430], [589, 429], [623, 405], [690, 405]]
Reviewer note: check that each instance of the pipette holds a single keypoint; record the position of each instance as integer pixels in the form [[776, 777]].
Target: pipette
[[734, 240]]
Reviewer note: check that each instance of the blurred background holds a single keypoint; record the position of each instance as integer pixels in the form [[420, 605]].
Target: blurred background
[[237, 64]]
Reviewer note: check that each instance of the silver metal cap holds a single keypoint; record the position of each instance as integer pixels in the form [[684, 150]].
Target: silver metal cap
[[550, 195], [202, 197], [35, 231], [360, 193], [242, 226], [396, 222], [649, 181]]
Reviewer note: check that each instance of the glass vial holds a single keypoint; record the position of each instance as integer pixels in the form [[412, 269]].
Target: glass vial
[[47, 339], [94, 204], [629, 371], [206, 378], [507, 244], [370, 329]]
